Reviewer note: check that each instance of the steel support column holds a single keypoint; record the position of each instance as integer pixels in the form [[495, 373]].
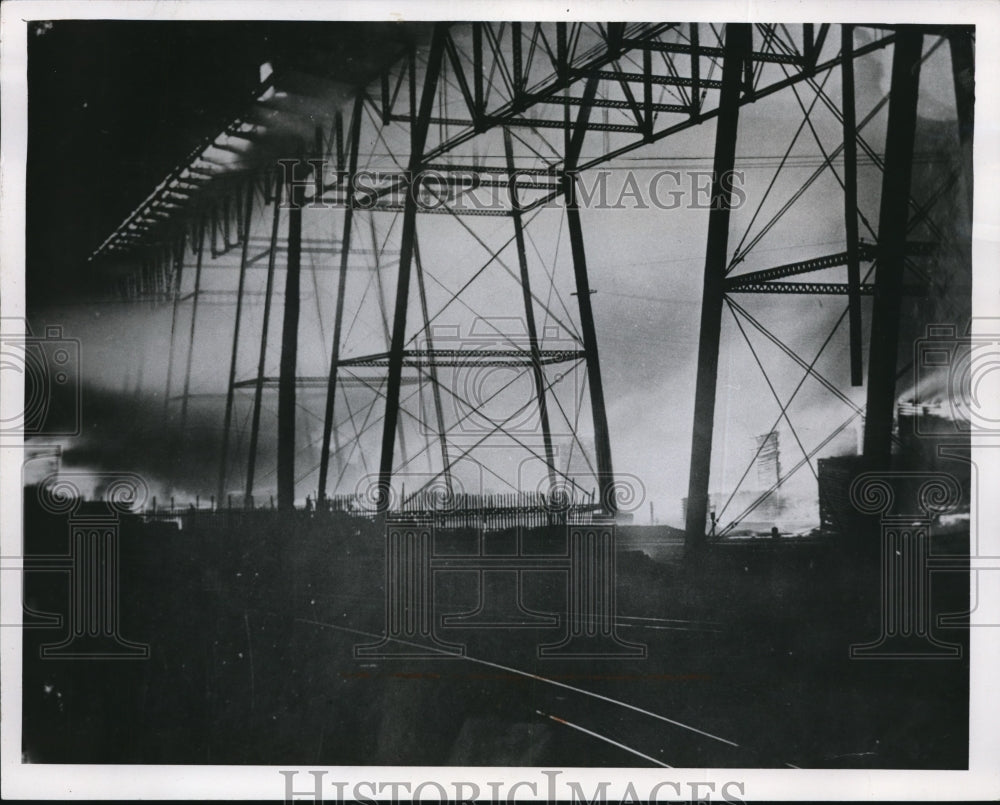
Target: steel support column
[[418, 138], [963, 65], [477, 73], [442, 433], [851, 203], [258, 392], [178, 282], [809, 43], [529, 313], [338, 318], [892, 222], [602, 439], [695, 73], [230, 387], [737, 52], [194, 323], [290, 349], [516, 59], [615, 35], [562, 52]]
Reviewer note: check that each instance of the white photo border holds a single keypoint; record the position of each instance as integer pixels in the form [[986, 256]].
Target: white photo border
[[27, 781]]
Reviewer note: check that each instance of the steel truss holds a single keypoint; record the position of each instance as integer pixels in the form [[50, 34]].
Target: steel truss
[[475, 109]]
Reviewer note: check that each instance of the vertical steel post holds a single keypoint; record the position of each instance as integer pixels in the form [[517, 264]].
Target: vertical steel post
[[515, 44], [290, 348], [963, 65], [615, 35], [562, 52], [385, 108], [809, 43], [258, 391], [432, 371], [477, 71], [338, 318], [338, 130], [737, 53], [418, 137], [383, 315], [230, 387], [602, 440], [695, 70], [529, 312], [892, 223], [851, 202], [178, 283], [647, 94], [195, 294]]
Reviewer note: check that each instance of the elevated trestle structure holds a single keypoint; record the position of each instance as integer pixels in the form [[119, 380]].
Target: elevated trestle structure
[[413, 227]]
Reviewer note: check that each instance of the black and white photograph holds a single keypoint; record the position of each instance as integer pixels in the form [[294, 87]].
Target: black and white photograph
[[543, 403]]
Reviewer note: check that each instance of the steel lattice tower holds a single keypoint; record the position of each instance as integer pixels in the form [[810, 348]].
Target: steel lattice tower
[[523, 111]]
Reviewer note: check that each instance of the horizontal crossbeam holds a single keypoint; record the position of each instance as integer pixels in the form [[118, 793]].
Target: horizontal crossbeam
[[526, 122], [866, 251], [419, 358], [641, 78], [316, 382], [818, 288], [711, 52], [790, 269], [612, 104], [469, 357]]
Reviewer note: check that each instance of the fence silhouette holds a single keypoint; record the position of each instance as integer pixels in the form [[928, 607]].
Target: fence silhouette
[[490, 512]]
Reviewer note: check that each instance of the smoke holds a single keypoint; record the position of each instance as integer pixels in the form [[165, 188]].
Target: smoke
[[130, 433], [934, 388]]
